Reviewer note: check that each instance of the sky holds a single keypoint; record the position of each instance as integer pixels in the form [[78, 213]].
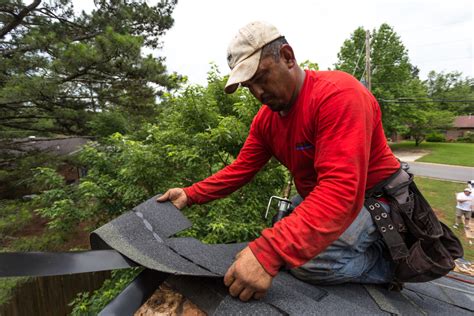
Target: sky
[[438, 34]]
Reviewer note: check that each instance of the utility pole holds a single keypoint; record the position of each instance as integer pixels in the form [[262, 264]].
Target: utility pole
[[367, 60]]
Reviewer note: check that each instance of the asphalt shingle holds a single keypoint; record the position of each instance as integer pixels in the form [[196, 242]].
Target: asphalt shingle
[[144, 236], [129, 235], [216, 258]]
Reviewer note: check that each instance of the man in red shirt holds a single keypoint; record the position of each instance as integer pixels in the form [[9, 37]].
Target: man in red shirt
[[325, 127]]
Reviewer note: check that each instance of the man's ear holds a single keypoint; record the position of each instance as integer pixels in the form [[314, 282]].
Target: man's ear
[[287, 55]]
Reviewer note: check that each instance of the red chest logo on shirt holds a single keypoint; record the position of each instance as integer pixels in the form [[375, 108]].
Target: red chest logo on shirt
[[304, 146]]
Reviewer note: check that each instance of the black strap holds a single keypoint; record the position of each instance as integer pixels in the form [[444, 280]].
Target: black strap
[[393, 240], [378, 189], [58, 263]]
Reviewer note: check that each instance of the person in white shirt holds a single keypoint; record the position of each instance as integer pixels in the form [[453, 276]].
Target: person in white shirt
[[463, 207]]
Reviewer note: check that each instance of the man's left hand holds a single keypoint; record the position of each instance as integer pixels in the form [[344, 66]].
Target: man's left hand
[[246, 278]]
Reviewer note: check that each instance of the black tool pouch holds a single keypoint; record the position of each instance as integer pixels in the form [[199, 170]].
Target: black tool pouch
[[422, 247]]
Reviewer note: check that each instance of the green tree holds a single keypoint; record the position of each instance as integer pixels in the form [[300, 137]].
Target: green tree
[[393, 76], [200, 131], [64, 73], [419, 116], [307, 64], [451, 87], [351, 56], [425, 119], [57, 68]]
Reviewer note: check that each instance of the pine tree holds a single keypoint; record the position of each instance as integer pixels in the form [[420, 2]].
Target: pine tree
[[60, 70]]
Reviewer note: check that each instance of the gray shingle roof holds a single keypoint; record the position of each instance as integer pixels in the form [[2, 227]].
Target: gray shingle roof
[[55, 146], [196, 269]]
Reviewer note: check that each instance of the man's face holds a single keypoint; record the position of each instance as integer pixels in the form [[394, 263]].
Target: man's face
[[273, 84], [467, 192]]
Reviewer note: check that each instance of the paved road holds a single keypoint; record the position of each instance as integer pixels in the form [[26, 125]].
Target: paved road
[[445, 172]]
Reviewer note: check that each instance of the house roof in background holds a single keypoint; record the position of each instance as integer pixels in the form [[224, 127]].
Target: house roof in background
[[60, 146], [464, 121]]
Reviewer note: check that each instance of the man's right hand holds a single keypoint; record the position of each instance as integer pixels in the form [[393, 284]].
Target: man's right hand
[[175, 196]]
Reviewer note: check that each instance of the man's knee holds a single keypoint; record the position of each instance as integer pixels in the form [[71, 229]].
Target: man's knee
[[367, 267], [319, 273], [349, 257]]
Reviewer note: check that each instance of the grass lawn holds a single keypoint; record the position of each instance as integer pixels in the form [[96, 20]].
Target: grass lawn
[[440, 195], [461, 154]]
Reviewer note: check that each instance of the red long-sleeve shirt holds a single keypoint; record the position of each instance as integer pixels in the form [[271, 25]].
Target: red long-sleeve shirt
[[333, 143]]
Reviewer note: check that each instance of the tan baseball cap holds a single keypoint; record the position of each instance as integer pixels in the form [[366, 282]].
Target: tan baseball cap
[[243, 53]]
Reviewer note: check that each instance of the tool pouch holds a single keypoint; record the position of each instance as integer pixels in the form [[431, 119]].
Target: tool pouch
[[422, 247]]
